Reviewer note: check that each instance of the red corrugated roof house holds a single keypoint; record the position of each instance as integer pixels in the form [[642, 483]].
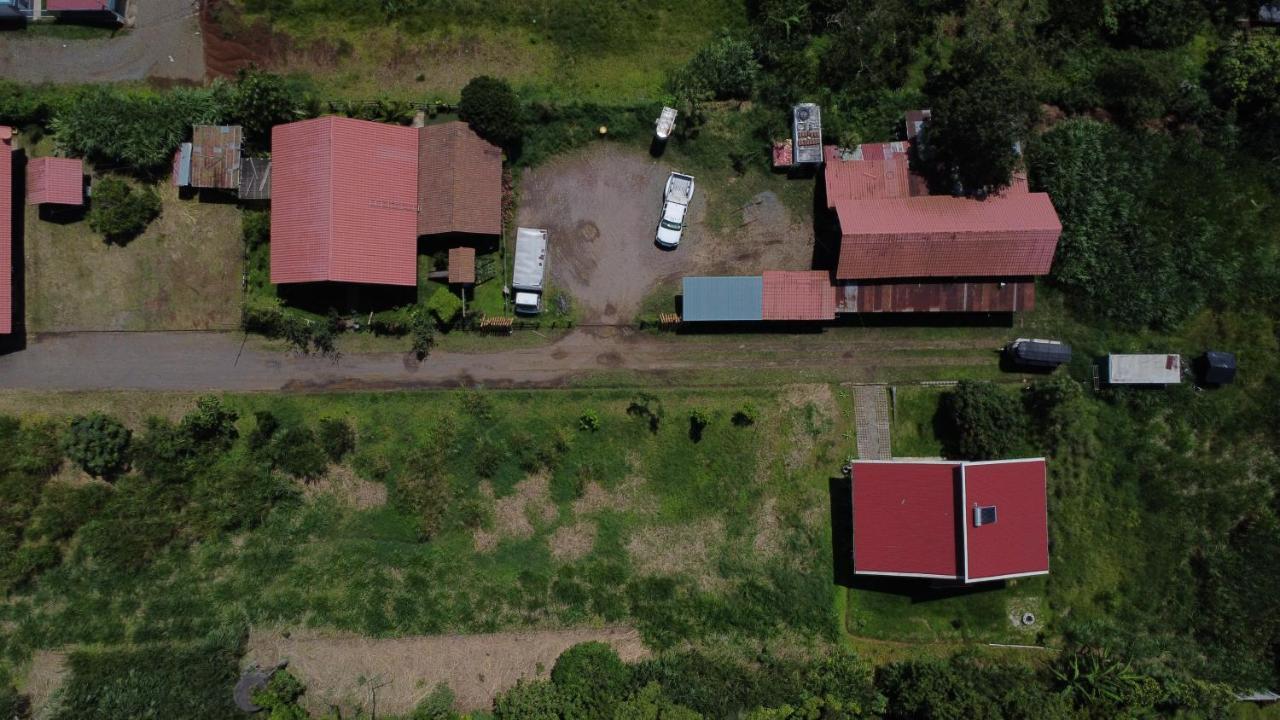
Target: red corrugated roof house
[[344, 202], [459, 181], [892, 229], [961, 521], [58, 181], [6, 230]]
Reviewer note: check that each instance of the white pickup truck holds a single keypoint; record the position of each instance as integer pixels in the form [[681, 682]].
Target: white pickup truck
[[675, 205]]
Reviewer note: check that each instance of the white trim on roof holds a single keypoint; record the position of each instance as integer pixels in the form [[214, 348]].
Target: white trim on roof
[[1003, 462], [906, 574], [1007, 577], [908, 462], [964, 521]]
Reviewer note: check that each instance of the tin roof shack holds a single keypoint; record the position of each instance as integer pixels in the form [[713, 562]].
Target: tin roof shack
[[722, 299], [1216, 368], [962, 522], [1037, 353], [6, 230], [211, 160], [1143, 369], [55, 181], [806, 134]]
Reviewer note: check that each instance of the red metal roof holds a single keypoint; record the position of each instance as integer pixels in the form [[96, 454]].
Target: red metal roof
[[6, 230], [1007, 235], [344, 202], [55, 180], [462, 265], [890, 229], [798, 295], [936, 296], [1018, 542], [904, 518], [459, 181]]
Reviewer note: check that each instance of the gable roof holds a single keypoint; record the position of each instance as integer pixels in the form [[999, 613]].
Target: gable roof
[[459, 181], [798, 295], [55, 180], [916, 519], [6, 230], [891, 229], [344, 202]]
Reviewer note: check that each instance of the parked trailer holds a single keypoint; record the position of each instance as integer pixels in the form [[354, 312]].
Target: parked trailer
[[1165, 369], [530, 270], [666, 123], [1034, 352], [806, 134]]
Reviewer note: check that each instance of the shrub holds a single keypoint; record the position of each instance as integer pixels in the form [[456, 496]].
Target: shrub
[[423, 332], [259, 102], [647, 407], [231, 499], [591, 680], [397, 321], [294, 449], [337, 437], [280, 697], [120, 212], [589, 420], [745, 416], [723, 70], [63, 509], [136, 129], [164, 452], [699, 419], [445, 306], [529, 700], [492, 109], [211, 423], [981, 421], [437, 705], [265, 425], [98, 444]]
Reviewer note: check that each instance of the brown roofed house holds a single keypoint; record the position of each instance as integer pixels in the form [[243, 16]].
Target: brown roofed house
[[459, 181]]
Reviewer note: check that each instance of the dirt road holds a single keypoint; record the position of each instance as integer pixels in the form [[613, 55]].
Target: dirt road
[[164, 43], [223, 361]]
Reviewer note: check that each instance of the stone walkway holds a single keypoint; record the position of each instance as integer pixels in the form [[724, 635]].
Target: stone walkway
[[871, 415]]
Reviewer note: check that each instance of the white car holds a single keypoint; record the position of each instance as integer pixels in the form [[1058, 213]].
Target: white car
[[675, 207]]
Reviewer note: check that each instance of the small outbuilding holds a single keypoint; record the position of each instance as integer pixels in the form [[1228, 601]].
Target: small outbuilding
[[723, 299], [211, 159], [55, 181], [1216, 367], [462, 266]]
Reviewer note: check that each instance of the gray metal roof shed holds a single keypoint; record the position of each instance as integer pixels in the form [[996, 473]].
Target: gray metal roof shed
[[723, 299]]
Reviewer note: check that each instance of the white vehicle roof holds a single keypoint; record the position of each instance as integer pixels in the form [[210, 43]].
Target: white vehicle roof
[[531, 259], [527, 299], [1144, 369], [674, 212]]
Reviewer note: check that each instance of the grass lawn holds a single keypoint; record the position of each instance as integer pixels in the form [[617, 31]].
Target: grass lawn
[[564, 49], [182, 273], [914, 407]]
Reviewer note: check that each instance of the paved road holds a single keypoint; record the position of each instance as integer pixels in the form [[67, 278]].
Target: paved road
[[165, 43], [222, 361]]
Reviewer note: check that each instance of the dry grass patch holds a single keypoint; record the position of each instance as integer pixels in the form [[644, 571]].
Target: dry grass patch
[[768, 540], [679, 550], [130, 408], [573, 542], [630, 495], [340, 669], [183, 273], [347, 488], [45, 676], [514, 516]]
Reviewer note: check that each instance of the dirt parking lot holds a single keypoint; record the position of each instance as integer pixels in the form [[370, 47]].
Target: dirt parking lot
[[601, 208]]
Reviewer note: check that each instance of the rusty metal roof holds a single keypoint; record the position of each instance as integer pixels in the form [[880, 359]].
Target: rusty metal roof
[[215, 156]]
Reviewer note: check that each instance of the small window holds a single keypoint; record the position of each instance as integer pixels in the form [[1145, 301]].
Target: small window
[[984, 515]]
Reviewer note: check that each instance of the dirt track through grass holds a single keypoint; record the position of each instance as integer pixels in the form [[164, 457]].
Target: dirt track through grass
[[341, 669]]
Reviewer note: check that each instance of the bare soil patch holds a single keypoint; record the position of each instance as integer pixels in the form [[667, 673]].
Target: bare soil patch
[[629, 496], [344, 485], [340, 669], [767, 237]]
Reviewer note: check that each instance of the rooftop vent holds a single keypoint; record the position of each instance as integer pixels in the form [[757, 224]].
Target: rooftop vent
[[984, 515]]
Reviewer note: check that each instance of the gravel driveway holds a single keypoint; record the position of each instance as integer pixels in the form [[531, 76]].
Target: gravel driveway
[[601, 208], [164, 42]]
